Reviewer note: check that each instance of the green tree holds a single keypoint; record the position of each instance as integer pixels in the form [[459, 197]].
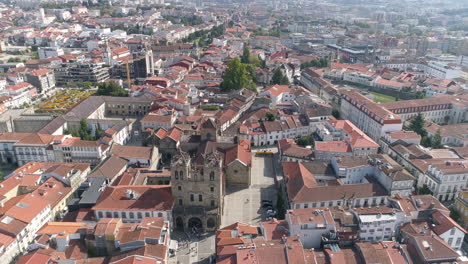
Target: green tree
[[111, 89], [417, 125], [236, 77], [280, 205], [426, 142], [245, 55], [99, 132], [336, 114], [454, 213], [436, 140], [270, 116], [305, 141], [279, 78], [424, 190]]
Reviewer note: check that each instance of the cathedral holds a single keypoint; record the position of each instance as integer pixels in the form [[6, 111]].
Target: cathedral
[[200, 170]]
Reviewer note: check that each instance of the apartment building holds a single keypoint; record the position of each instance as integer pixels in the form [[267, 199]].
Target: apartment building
[[74, 150], [342, 138], [445, 178], [387, 172], [378, 223], [310, 224], [442, 109], [455, 135], [370, 117], [42, 79], [19, 222], [80, 72], [21, 148]]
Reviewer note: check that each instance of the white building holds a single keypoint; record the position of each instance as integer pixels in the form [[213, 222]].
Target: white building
[[445, 178], [50, 52], [370, 117], [310, 224]]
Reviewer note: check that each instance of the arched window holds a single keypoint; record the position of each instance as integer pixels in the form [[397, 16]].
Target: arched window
[[160, 215], [181, 175], [176, 175], [212, 176]]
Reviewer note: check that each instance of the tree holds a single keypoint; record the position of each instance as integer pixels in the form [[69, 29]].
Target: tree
[[245, 55], [305, 141], [336, 114], [280, 205], [426, 142], [417, 125], [111, 89], [454, 213], [436, 140], [424, 190], [236, 77], [279, 78], [1, 176], [270, 116]]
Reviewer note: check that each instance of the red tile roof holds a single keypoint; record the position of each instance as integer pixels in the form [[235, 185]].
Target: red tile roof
[[154, 198]]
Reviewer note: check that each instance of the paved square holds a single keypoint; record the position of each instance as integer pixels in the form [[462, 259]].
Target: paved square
[[244, 204]]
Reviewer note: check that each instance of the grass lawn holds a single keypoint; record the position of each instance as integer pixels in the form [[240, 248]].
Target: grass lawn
[[382, 98]]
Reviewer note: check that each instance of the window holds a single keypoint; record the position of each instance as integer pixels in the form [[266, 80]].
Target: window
[[116, 215], [176, 175], [124, 215], [212, 189], [179, 188], [212, 203], [147, 214], [139, 215], [212, 176], [450, 240], [200, 198], [191, 197], [100, 215], [458, 241], [181, 175], [180, 201], [306, 205], [108, 214], [452, 232], [132, 215]]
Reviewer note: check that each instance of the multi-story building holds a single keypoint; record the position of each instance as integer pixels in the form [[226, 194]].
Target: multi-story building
[[452, 135], [80, 72], [19, 224], [305, 191], [42, 79], [132, 203], [443, 109], [75, 150], [393, 177], [447, 229], [310, 225], [378, 223], [461, 204], [444, 178], [370, 117], [21, 148], [342, 138]]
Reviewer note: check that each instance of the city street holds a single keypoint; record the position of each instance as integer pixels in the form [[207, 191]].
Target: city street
[[244, 204]]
